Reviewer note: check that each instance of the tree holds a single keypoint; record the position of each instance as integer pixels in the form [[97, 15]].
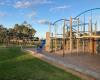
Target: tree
[[3, 33], [23, 32]]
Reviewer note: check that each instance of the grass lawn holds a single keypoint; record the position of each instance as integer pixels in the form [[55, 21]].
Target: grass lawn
[[18, 65]]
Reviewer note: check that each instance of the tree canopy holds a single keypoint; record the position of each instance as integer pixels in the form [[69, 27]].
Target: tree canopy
[[23, 32]]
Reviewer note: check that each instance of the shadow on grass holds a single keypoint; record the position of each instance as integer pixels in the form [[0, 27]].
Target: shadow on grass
[[9, 53], [26, 67]]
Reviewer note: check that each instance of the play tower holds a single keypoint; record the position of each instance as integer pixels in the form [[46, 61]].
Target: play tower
[[75, 35]]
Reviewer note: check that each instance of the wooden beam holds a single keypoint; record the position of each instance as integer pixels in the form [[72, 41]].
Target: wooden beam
[[91, 36]]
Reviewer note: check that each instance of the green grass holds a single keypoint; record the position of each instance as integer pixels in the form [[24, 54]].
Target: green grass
[[18, 65]]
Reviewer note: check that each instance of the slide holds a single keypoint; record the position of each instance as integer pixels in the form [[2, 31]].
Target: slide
[[41, 47]]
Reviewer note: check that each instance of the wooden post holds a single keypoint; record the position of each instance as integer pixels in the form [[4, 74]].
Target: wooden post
[[83, 35], [90, 27], [52, 41], [47, 41], [67, 45], [91, 45], [77, 37], [95, 28], [67, 39], [84, 25], [83, 45], [95, 48], [64, 38], [55, 39], [71, 35], [77, 46], [90, 33]]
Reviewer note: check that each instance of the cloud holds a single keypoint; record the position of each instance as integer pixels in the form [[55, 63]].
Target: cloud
[[43, 21], [22, 4], [46, 2], [31, 15], [30, 3], [2, 14], [59, 8], [6, 2], [41, 2]]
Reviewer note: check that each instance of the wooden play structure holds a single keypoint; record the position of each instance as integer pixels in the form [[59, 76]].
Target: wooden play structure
[[74, 35]]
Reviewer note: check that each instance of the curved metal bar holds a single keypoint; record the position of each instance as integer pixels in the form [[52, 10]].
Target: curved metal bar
[[59, 20], [85, 12]]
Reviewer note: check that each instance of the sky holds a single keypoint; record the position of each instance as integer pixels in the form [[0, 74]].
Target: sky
[[38, 12]]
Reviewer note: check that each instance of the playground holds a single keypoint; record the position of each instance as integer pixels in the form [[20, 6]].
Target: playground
[[80, 34], [49, 39], [74, 43]]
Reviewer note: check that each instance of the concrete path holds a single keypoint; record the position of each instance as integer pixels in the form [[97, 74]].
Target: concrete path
[[86, 64]]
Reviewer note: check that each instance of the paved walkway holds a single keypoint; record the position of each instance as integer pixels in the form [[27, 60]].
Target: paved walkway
[[87, 64]]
